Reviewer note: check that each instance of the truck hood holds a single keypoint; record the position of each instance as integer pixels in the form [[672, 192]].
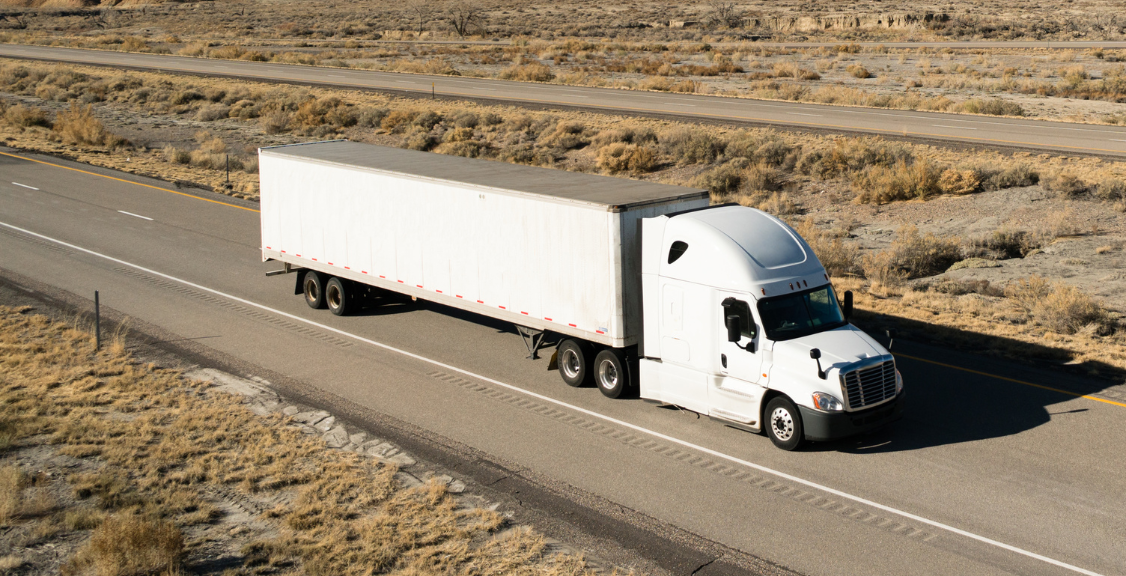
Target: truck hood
[[839, 348]]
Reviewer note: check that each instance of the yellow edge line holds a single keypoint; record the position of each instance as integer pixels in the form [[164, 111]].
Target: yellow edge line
[[1013, 380], [192, 196]]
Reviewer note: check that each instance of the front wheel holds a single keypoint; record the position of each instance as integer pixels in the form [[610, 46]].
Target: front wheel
[[783, 423], [611, 373]]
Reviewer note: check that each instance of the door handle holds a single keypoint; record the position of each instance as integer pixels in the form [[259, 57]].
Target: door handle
[[723, 360]]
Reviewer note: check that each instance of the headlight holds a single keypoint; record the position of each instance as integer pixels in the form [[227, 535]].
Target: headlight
[[826, 402], [898, 382]]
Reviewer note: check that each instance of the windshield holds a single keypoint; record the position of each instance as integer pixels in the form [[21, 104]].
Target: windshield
[[800, 314]]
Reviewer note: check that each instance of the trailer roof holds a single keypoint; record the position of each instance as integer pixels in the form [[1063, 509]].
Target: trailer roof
[[615, 194]]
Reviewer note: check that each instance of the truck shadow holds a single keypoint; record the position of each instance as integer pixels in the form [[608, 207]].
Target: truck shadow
[[987, 395]]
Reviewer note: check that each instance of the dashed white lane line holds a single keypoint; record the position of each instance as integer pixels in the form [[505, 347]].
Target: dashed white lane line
[[591, 413], [954, 127], [25, 186], [135, 215], [803, 114]]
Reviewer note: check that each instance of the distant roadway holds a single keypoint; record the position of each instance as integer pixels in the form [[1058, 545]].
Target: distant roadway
[[998, 468], [988, 131]]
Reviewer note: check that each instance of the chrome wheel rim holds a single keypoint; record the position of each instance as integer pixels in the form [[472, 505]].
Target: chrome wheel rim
[[334, 297], [570, 364], [608, 375], [311, 291], [782, 424]]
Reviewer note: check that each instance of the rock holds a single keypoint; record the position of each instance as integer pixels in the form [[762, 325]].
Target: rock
[[326, 424], [456, 487], [290, 410], [402, 460], [381, 450], [358, 438], [337, 438], [312, 417], [407, 480]]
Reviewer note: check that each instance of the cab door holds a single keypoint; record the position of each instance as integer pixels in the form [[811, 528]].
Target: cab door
[[735, 392]]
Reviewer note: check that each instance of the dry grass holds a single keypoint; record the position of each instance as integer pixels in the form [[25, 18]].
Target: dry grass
[[130, 546], [78, 126], [154, 444], [1059, 307]]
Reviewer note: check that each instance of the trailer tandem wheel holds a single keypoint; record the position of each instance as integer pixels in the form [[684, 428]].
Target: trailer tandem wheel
[[338, 296], [574, 362], [313, 284]]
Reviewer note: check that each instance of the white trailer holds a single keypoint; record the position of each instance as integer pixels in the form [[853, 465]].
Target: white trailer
[[650, 288]]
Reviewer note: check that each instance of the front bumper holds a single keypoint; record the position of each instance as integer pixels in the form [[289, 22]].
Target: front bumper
[[821, 426]]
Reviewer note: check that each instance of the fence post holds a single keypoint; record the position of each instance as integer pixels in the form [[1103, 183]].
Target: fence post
[[97, 323]]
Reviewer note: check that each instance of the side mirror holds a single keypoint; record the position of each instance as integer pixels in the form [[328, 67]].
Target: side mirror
[[847, 304], [733, 332], [815, 353]]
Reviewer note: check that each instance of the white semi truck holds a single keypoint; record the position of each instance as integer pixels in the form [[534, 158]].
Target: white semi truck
[[648, 289]]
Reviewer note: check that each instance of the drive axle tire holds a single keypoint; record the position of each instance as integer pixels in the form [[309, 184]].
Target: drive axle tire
[[574, 362], [782, 421], [338, 296], [313, 285], [612, 373]]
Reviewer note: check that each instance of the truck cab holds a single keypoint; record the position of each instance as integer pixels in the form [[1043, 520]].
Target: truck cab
[[741, 323]]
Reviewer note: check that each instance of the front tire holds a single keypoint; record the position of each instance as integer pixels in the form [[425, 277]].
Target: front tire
[[338, 297], [574, 363], [313, 286], [783, 424], [611, 373]]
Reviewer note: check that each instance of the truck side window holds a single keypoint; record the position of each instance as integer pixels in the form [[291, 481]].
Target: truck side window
[[746, 322], [677, 250]]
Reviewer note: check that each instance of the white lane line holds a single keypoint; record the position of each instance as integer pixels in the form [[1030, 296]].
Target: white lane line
[[803, 114], [1112, 140], [135, 215], [954, 127], [25, 186], [591, 413]]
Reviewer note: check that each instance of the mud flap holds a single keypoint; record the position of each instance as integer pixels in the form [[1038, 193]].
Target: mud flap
[[553, 364]]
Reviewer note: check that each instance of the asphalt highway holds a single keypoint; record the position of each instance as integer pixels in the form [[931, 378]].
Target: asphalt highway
[[989, 131], [1018, 474], [961, 45]]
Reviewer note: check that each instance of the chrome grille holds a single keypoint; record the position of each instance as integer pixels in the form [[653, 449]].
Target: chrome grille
[[871, 385]]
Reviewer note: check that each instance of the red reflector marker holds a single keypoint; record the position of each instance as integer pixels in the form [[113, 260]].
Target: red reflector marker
[[480, 301], [418, 285], [523, 312], [572, 325], [363, 271], [458, 295], [502, 307], [438, 291], [546, 318]]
